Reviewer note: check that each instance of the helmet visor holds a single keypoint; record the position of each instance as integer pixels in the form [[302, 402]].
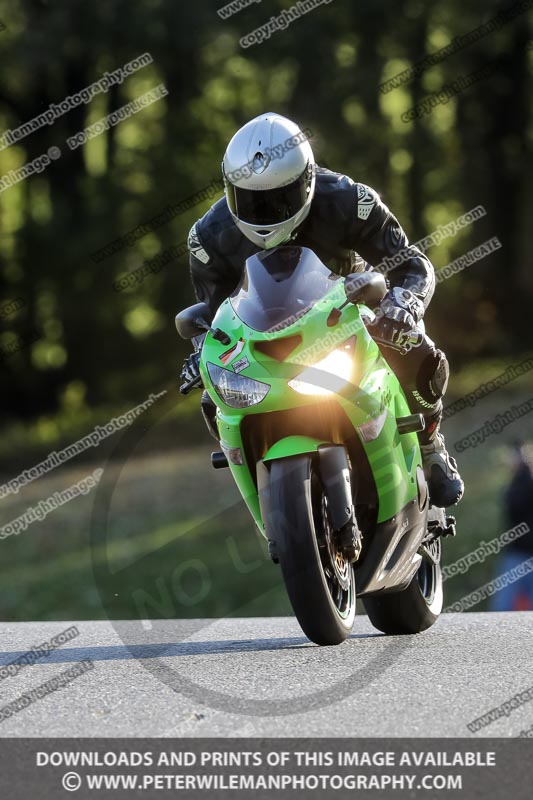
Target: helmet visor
[[269, 206]]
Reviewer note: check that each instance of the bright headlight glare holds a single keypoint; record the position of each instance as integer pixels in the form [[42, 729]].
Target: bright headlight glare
[[328, 376], [236, 391]]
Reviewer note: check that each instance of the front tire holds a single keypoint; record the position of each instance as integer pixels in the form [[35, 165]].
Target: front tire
[[414, 609], [319, 581]]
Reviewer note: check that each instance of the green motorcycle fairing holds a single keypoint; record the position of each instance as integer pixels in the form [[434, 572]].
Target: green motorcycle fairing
[[317, 339]]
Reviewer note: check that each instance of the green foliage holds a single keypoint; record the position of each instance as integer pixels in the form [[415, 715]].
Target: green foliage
[[324, 71]]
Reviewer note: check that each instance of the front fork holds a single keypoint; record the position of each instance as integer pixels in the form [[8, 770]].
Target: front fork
[[340, 491]]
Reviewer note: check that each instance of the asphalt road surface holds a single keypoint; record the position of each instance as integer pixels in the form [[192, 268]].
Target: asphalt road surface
[[262, 677]]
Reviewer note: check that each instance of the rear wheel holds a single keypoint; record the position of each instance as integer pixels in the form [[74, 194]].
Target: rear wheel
[[416, 608], [319, 580]]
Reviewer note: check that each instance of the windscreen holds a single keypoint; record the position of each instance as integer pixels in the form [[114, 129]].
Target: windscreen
[[279, 286]]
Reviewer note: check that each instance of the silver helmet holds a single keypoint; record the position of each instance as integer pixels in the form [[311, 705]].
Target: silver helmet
[[269, 176]]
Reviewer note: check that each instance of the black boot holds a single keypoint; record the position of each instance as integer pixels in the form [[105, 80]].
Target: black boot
[[445, 485]]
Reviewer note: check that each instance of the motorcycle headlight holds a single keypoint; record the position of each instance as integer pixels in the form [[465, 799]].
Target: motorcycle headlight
[[328, 376], [236, 391]]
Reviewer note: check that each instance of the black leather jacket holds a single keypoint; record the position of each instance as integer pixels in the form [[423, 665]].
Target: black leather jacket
[[347, 225]]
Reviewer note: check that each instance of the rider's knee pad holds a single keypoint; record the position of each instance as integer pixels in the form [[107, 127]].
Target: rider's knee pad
[[432, 378]]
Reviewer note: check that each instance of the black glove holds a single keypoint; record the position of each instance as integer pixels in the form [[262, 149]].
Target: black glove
[[191, 369], [397, 318]]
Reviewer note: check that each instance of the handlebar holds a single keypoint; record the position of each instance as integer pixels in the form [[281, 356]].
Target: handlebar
[[187, 387], [410, 340]]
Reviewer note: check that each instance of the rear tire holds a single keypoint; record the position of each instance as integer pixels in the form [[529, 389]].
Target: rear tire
[[319, 581], [414, 609]]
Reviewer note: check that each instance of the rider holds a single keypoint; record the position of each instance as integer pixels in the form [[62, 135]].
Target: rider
[[274, 194]]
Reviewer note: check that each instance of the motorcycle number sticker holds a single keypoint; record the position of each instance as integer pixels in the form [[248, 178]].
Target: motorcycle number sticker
[[232, 353], [241, 364]]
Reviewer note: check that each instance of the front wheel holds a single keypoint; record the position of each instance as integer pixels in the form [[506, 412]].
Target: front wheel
[[319, 580], [417, 607]]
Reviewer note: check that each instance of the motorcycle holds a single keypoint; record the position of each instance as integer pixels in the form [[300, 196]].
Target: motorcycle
[[317, 433]]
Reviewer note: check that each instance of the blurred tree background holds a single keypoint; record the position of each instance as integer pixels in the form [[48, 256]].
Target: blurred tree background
[[77, 351]]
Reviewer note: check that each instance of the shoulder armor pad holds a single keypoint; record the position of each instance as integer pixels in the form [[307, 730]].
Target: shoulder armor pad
[[196, 247], [366, 200]]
